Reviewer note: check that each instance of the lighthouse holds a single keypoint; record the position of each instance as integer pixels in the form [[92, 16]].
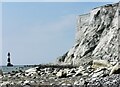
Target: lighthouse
[[8, 61]]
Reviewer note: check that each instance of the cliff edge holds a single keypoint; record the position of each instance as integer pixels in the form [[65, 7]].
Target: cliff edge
[[97, 36]]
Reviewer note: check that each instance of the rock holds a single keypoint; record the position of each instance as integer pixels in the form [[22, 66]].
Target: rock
[[108, 81], [48, 70], [20, 82], [31, 70], [78, 72], [62, 58], [72, 70], [26, 82], [66, 84], [18, 75], [55, 71], [99, 69], [61, 74], [31, 74], [80, 82], [70, 74], [115, 69], [97, 74], [85, 74], [100, 63], [76, 83], [113, 63], [1, 72], [4, 84], [26, 86]]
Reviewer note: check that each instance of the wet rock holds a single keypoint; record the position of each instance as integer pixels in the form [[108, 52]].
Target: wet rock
[[1, 73]]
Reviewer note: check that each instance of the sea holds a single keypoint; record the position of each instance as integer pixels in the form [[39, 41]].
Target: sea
[[7, 69]]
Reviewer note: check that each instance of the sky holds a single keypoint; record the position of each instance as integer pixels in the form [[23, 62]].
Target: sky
[[0, 34], [59, 0], [39, 32]]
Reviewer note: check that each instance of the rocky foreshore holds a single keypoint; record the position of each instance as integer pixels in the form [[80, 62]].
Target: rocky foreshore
[[98, 73]]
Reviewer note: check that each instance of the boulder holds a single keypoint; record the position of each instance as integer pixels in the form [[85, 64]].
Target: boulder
[[100, 63]]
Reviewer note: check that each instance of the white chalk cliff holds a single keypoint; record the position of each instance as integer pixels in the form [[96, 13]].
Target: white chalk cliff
[[97, 36]]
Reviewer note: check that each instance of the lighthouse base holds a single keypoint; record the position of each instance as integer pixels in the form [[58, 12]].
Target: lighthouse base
[[9, 64]]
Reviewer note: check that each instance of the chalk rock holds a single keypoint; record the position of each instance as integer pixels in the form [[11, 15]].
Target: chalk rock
[[96, 36], [100, 63]]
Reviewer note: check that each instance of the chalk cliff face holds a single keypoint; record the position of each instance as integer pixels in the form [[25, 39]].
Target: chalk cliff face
[[97, 36]]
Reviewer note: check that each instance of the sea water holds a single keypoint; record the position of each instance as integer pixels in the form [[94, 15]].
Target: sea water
[[7, 69]]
